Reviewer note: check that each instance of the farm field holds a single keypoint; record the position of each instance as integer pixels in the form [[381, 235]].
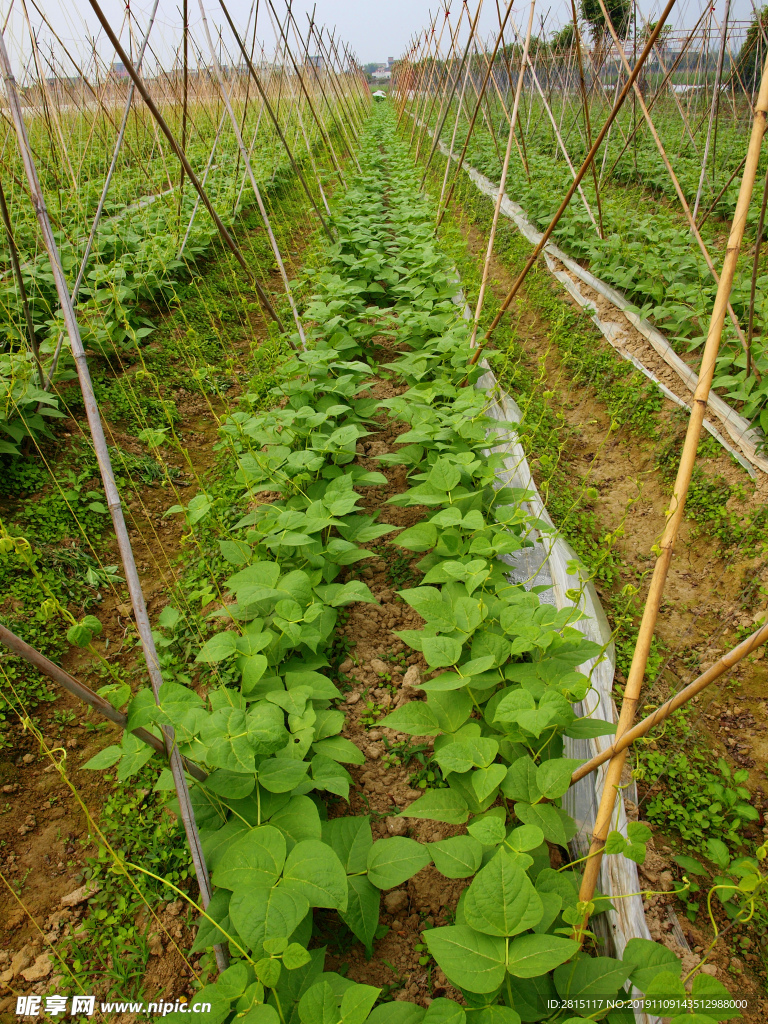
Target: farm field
[[329, 770]]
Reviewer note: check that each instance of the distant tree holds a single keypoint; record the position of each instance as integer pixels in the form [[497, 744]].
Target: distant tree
[[662, 36], [752, 51], [562, 41], [619, 12]]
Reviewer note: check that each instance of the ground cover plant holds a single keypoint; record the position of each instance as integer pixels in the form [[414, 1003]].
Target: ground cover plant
[[502, 669]]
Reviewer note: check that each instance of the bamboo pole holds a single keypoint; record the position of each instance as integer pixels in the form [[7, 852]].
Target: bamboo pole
[[87, 695], [110, 488], [470, 129], [753, 283], [31, 336], [503, 180], [582, 171], [254, 186], [721, 666], [449, 92], [677, 504], [585, 103], [158, 117], [678, 189], [297, 170], [714, 106]]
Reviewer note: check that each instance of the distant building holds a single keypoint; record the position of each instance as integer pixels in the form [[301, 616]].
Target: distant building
[[316, 62], [118, 70], [381, 73]]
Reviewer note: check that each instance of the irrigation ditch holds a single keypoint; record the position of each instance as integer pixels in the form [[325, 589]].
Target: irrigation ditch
[[351, 500]]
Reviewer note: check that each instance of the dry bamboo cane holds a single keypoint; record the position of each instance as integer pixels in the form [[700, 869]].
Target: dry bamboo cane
[[158, 117], [31, 336], [450, 89], [713, 108], [439, 93], [110, 488], [677, 503], [302, 85], [582, 171], [503, 180], [678, 189], [254, 186], [87, 695], [459, 108], [721, 666], [419, 91], [102, 198], [434, 81], [585, 102], [296, 169], [445, 204]]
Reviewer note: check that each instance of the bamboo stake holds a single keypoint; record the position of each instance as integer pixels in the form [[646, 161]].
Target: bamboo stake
[[110, 488], [31, 336], [449, 93], [677, 504], [753, 284], [713, 109], [503, 180], [721, 666], [585, 103], [582, 171], [102, 198], [254, 186], [297, 170], [158, 117], [470, 129], [87, 695], [678, 189]]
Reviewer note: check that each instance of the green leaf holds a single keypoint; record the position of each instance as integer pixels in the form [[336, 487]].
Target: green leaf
[[362, 913], [338, 748], [520, 783], [526, 837], [502, 900], [589, 977], [689, 864], [231, 785], [394, 860], [462, 755], [260, 913], [254, 861], [282, 774], [440, 651], [553, 778], [314, 870], [295, 956], [396, 1013], [588, 728], [468, 958], [485, 781], [444, 1011], [444, 475], [414, 718], [457, 857], [136, 753], [79, 636], [438, 805], [421, 537], [556, 825], [531, 955], [350, 839], [488, 831], [319, 1005], [299, 819], [717, 998], [268, 971], [357, 1002], [219, 647], [104, 759], [647, 959]]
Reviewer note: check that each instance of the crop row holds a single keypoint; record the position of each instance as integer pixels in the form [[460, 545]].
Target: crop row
[[501, 685], [647, 250]]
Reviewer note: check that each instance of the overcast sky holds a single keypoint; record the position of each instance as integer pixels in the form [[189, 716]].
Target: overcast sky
[[374, 29]]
